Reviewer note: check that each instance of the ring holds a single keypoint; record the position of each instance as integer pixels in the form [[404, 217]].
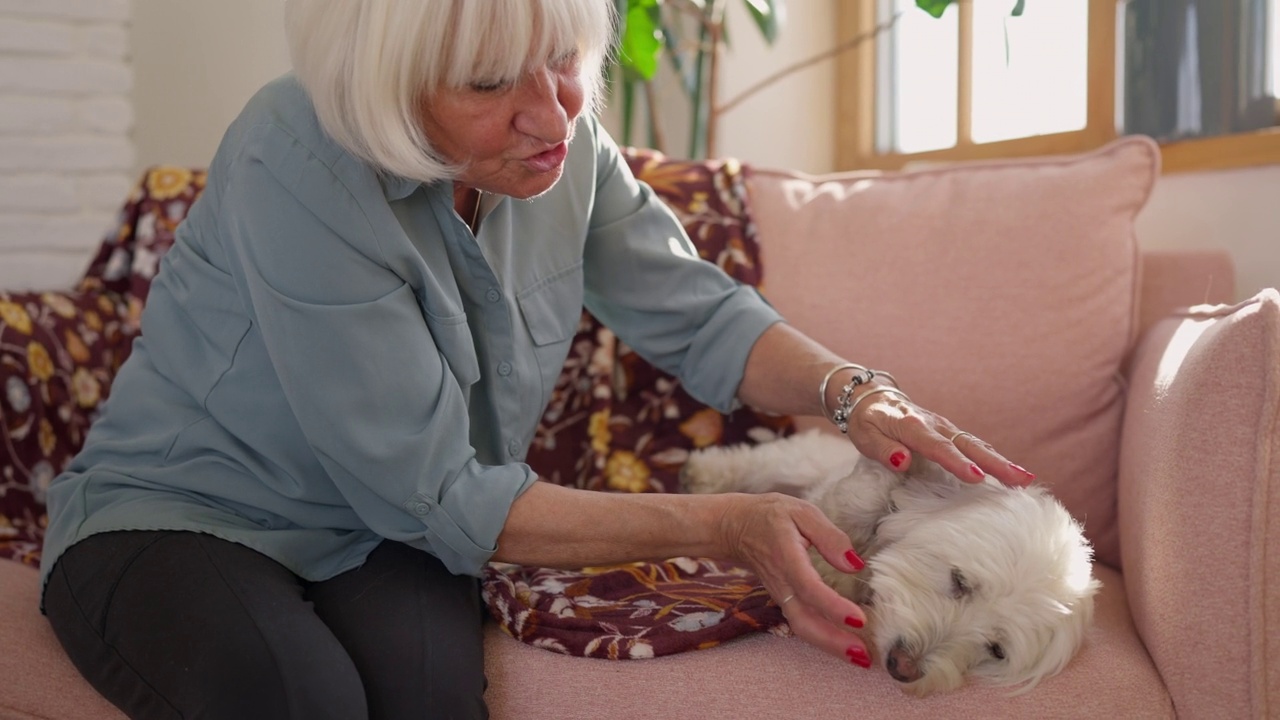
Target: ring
[[960, 434], [787, 599]]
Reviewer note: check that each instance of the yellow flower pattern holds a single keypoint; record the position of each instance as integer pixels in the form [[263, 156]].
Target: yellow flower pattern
[[166, 183], [598, 429], [48, 441], [75, 347], [704, 427], [39, 362], [13, 315], [85, 388], [626, 472]]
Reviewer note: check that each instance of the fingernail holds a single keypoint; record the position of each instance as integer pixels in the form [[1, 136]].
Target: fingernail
[[858, 656], [977, 471], [854, 560], [1023, 470], [897, 459], [853, 621]]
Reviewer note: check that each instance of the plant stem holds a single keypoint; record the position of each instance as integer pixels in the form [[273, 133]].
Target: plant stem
[[715, 29], [656, 139], [795, 67]]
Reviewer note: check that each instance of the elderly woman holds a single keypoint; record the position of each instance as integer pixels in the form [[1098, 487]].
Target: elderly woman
[[317, 443]]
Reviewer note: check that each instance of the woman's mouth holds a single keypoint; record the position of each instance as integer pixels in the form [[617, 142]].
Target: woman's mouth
[[548, 160]]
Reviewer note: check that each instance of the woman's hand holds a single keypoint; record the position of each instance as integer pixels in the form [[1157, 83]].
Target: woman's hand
[[889, 428], [772, 534]]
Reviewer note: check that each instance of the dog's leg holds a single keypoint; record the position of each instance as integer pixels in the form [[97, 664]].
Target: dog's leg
[[798, 465]]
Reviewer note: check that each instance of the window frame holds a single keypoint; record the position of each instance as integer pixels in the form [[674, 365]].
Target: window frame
[[856, 106]]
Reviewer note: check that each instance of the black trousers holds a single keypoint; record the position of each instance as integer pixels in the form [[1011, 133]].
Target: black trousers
[[184, 625]]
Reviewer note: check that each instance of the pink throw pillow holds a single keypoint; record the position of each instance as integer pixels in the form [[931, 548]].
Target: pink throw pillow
[[1001, 294]]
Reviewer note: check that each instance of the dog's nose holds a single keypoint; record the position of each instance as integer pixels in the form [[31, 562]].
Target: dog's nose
[[901, 665]]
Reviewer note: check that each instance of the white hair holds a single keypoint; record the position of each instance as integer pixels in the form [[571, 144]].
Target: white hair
[[368, 65]]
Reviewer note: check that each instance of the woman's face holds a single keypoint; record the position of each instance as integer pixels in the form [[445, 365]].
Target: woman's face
[[509, 136]]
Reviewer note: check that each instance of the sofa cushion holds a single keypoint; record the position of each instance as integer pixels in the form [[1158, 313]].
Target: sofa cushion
[[1200, 504], [1001, 294], [58, 353]]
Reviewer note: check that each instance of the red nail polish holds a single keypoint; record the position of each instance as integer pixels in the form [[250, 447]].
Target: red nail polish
[[897, 459], [1023, 470], [854, 560], [977, 471], [853, 622], [858, 656]]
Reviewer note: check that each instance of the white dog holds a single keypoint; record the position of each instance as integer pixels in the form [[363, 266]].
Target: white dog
[[962, 580]]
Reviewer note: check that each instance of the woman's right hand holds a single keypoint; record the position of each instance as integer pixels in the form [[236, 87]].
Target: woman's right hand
[[772, 534]]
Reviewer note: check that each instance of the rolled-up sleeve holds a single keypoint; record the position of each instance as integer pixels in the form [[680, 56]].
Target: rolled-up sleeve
[[645, 281], [348, 343]]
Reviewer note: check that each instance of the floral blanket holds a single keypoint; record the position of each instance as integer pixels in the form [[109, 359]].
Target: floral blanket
[[614, 424]]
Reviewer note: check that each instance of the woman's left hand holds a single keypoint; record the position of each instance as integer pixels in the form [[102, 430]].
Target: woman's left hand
[[891, 429]]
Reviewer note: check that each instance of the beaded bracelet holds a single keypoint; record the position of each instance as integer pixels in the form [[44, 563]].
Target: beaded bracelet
[[822, 389], [862, 376]]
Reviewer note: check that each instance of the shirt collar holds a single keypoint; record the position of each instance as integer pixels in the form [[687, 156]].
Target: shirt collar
[[396, 187]]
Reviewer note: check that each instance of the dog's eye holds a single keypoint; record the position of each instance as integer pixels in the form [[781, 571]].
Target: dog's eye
[[959, 586], [996, 650]]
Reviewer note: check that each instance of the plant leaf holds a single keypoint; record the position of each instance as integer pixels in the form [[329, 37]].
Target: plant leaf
[[641, 45], [934, 7], [768, 15], [1018, 8]]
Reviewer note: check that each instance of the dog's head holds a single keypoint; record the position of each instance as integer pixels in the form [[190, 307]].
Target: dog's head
[[977, 581]]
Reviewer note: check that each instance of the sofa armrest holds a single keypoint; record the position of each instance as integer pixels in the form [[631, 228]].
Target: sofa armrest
[[1199, 487], [1173, 279]]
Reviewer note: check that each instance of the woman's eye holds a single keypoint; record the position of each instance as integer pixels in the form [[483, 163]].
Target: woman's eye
[[489, 86], [566, 61]]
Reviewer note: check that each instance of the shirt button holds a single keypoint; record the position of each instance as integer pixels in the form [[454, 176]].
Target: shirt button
[[421, 509], [513, 447], [493, 295], [504, 368]]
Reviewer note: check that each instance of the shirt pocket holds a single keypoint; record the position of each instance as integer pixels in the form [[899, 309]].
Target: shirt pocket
[[551, 308], [452, 336]]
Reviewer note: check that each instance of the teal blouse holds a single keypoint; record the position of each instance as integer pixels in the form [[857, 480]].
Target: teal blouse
[[329, 357]]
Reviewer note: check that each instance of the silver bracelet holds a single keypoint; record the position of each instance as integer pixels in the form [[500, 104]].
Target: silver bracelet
[[843, 424], [822, 390]]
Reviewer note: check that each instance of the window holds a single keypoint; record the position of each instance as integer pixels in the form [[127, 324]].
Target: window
[[979, 83]]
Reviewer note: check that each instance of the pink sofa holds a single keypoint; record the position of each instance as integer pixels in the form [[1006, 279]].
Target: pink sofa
[[1011, 296]]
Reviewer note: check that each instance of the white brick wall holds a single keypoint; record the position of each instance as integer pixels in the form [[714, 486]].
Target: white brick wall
[[66, 116]]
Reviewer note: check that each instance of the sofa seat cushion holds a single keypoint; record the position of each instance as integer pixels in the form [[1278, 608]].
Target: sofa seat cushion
[[37, 679], [758, 676], [1002, 295], [764, 676]]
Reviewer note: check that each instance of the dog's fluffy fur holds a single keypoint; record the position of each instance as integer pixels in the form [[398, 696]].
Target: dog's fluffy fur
[[962, 580]]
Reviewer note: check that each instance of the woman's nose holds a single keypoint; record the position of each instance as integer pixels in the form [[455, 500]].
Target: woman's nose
[[550, 102]]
